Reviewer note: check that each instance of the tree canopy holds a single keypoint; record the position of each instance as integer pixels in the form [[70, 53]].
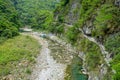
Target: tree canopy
[[9, 20]]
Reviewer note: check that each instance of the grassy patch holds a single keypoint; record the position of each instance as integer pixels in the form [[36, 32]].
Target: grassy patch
[[16, 52]]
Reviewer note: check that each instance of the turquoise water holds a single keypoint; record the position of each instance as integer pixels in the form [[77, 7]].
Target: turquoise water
[[75, 70]]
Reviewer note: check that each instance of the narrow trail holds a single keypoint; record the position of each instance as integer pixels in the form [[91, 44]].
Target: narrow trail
[[46, 67], [102, 48]]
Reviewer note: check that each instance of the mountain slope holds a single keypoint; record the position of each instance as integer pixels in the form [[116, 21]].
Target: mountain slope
[[97, 19]]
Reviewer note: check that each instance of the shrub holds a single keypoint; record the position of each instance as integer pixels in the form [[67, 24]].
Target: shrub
[[112, 43], [7, 33], [72, 34], [103, 19], [2, 39], [64, 2]]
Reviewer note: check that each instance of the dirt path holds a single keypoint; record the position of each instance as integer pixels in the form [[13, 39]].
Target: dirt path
[[46, 67]]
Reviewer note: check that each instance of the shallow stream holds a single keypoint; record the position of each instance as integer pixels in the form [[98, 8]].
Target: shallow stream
[[74, 70], [74, 63]]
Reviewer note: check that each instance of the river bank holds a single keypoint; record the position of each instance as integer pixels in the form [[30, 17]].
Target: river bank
[[55, 59]]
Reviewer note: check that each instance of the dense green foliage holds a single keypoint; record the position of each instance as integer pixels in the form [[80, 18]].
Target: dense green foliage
[[23, 48], [106, 20], [113, 46], [112, 43], [72, 35], [37, 13], [64, 2], [87, 10], [42, 20], [17, 52], [116, 67], [9, 20]]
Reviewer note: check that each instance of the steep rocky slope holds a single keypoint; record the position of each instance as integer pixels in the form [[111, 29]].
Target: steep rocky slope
[[93, 27]]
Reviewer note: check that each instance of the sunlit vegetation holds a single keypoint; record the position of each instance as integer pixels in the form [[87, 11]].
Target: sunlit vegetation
[[37, 14], [106, 21], [113, 46], [88, 9], [16, 51], [72, 35]]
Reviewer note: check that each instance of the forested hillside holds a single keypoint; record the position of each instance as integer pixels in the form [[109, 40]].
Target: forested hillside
[[9, 19], [18, 51], [19, 13], [37, 13], [90, 27]]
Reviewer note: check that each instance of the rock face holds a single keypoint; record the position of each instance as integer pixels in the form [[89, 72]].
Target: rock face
[[83, 15], [71, 11], [117, 3]]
